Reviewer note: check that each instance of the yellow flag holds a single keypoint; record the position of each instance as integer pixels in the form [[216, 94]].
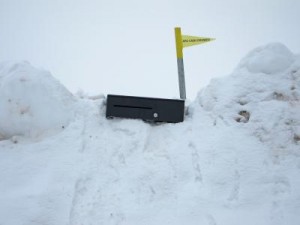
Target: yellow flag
[[193, 40]]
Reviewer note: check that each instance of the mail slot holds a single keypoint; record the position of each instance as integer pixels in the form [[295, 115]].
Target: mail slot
[[148, 109]]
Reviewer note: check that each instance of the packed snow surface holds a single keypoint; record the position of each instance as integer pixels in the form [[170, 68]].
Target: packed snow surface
[[32, 102], [234, 160]]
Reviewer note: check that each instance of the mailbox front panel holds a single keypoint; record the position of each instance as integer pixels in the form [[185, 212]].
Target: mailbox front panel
[[149, 109]]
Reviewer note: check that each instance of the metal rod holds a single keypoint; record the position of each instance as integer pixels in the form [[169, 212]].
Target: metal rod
[[179, 51], [181, 78]]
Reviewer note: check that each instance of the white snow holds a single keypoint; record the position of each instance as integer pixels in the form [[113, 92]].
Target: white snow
[[234, 160], [32, 102], [269, 59]]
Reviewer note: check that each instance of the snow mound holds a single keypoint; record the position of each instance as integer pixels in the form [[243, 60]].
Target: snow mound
[[269, 59], [32, 102], [262, 95], [234, 160]]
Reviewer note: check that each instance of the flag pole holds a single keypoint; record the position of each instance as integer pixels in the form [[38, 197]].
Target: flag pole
[[179, 51]]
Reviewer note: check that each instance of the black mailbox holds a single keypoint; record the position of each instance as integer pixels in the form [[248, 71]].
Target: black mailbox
[[148, 109]]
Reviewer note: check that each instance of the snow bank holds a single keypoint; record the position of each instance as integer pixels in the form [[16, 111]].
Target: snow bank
[[32, 102], [262, 95], [269, 59], [234, 160]]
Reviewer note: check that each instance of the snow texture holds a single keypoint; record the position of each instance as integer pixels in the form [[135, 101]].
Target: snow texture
[[234, 160], [32, 102]]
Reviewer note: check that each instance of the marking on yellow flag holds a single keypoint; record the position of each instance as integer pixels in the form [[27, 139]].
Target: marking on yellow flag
[[193, 40]]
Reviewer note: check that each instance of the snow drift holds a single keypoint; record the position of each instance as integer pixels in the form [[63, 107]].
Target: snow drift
[[263, 92], [32, 102], [235, 159]]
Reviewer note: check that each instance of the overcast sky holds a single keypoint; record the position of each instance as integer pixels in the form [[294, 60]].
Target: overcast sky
[[128, 47]]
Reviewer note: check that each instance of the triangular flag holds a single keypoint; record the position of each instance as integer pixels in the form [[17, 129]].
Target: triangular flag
[[193, 40]]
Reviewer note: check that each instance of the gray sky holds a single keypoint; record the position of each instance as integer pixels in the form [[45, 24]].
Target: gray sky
[[128, 47]]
